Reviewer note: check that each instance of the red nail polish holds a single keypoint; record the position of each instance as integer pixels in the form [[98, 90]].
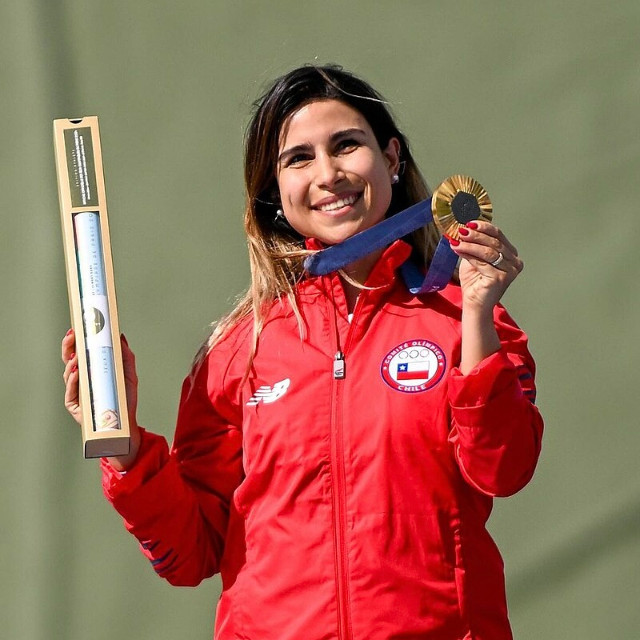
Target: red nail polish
[[69, 332], [74, 368], [472, 225], [453, 242], [463, 232], [72, 356]]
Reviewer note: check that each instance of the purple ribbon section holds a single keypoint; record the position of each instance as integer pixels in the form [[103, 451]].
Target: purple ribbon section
[[440, 270], [382, 235]]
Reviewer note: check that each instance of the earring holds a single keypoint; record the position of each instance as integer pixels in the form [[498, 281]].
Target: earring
[[279, 214], [395, 178]]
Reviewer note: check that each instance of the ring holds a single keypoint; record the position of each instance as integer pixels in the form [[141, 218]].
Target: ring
[[498, 260]]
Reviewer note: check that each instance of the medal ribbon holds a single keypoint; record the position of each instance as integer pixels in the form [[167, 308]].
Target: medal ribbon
[[381, 235]]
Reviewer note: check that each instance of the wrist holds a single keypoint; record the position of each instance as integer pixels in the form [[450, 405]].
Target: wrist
[[479, 337], [478, 312], [125, 462]]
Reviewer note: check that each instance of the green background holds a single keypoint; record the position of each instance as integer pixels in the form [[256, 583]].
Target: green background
[[538, 100]]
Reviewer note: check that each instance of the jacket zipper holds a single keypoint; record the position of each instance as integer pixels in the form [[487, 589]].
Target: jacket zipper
[[339, 514], [339, 475]]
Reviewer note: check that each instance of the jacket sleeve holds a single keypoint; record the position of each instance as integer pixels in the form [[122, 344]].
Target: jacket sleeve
[[496, 428], [176, 502]]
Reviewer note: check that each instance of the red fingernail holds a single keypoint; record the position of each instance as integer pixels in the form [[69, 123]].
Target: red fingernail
[[463, 232], [453, 242], [472, 225], [74, 368], [72, 356], [69, 332]]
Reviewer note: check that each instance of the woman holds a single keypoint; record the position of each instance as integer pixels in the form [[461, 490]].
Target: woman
[[340, 440]]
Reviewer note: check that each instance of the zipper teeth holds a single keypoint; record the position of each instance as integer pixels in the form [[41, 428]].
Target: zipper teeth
[[339, 498], [356, 310], [338, 520], [341, 519]]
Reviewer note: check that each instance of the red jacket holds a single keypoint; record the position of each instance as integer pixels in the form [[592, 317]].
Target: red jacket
[[350, 508]]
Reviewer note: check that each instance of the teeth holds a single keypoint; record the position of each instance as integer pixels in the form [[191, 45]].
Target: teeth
[[338, 204]]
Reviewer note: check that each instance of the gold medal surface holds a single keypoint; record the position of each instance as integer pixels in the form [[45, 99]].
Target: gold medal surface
[[458, 200]]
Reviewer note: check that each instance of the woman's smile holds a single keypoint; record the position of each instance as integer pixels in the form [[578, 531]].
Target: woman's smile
[[335, 204]]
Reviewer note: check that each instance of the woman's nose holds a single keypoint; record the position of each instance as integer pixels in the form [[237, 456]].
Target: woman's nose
[[329, 171]]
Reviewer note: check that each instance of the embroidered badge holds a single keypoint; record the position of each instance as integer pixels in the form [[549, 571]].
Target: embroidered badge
[[268, 394], [413, 366]]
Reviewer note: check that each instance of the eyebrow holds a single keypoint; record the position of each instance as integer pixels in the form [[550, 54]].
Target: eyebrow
[[338, 135]]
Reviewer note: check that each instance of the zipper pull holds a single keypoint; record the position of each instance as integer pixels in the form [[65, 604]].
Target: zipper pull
[[339, 366]]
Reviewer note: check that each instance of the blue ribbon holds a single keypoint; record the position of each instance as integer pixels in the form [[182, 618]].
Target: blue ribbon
[[381, 235], [440, 270]]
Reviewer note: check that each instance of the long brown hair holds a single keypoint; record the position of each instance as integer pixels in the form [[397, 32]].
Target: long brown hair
[[276, 251]]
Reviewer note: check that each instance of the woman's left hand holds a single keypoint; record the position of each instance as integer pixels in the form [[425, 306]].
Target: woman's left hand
[[489, 264]]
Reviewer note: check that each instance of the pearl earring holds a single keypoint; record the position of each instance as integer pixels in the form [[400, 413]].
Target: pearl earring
[[279, 213], [395, 178]]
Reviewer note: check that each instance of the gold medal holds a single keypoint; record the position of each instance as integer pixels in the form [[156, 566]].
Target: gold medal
[[458, 200]]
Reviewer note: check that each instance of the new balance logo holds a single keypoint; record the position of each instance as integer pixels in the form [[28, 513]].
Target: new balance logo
[[267, 394]]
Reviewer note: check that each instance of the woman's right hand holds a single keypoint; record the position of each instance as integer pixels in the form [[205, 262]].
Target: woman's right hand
[[71, 395]]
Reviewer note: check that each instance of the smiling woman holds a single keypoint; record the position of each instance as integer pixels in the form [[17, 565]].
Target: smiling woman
[[340, 439]]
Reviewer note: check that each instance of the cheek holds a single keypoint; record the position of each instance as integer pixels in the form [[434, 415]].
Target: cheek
[[382, 203], [381, 189], [377, 175], [293, 190]]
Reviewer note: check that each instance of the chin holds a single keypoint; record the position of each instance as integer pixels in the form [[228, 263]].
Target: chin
[[341, 233], [336, 238]]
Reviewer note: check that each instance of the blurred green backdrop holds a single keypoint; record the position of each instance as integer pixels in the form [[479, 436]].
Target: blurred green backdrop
[[538, 100]]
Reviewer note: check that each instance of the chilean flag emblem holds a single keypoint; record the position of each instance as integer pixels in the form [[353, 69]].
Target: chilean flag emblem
[[412, 371]]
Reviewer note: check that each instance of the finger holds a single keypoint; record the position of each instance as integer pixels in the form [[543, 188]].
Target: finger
[[495, 250], [510, 265], [486, 268], [482, 254], [484, 227], [70, 367], [487, 243], [130, 378], [71, 400], [68, 345], [478, 228]]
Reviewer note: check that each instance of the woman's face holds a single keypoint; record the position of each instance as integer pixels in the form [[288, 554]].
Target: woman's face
[[334, 179]]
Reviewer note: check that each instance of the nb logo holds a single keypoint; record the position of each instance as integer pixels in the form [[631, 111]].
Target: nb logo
[[267, 394]]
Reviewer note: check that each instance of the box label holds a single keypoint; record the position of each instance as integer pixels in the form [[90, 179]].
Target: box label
[[81, 167]]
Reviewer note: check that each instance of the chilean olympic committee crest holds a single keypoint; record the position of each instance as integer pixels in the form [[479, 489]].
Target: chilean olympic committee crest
[[413, 366]]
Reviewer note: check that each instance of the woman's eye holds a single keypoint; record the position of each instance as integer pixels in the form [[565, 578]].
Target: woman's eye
[[348, 144], [298, 159]]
